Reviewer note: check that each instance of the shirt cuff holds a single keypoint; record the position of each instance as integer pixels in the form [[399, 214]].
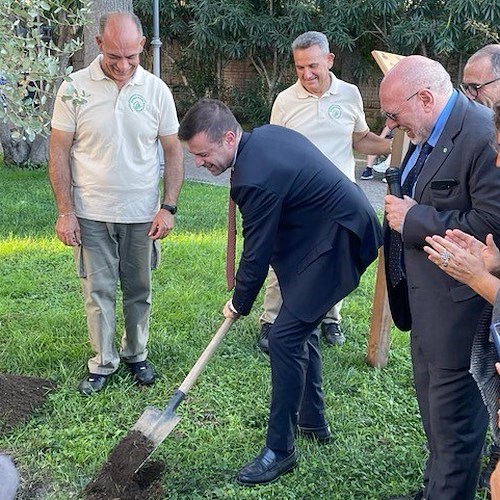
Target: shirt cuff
[[231, 307]]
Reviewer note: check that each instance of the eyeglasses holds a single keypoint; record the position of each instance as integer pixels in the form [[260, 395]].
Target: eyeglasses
[[394, 116], [473, 88]]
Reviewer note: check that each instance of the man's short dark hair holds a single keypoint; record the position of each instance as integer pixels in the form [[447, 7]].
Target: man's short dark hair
[[210, 116]]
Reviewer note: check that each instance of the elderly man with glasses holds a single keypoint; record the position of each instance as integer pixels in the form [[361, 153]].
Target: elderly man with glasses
[[481, 80], [448, 181]]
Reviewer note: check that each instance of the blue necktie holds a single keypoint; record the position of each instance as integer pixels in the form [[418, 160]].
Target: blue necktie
[[409, 182], [396, 260]]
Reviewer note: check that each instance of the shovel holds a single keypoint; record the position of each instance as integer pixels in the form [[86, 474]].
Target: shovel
[[156, 425]]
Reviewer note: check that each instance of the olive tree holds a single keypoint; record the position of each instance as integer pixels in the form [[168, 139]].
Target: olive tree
[[37, 39]]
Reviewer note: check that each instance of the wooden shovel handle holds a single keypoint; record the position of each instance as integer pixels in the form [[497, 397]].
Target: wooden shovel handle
[[205, 356]]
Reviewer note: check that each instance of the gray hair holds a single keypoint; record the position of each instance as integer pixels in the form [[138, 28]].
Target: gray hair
[[310, 38], [210, 116], [492, 52], [103, 20]]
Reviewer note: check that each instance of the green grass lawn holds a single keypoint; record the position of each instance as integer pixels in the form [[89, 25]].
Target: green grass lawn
[[377, 450]]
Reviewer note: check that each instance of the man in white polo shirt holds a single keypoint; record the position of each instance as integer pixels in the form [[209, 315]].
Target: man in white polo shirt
[[329, 112], [104, 169]]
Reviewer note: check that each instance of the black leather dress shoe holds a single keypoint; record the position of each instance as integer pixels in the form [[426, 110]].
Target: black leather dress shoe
[[265, 468], [92, 383], [263, 342], [333, 333], [142, 372], [322, 435]]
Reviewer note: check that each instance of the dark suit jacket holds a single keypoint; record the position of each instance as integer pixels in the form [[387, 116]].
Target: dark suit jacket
[[304, 217], [444, 312]]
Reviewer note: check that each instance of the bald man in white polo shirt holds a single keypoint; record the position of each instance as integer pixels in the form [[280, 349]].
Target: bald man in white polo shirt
[[329, 112], [104, 169]]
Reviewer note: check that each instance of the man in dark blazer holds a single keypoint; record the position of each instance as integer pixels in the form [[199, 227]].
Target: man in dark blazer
[[303, 216], [450, 182]]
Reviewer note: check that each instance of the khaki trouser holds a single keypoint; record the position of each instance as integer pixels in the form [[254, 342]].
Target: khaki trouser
[[273, 301], [113, 253]]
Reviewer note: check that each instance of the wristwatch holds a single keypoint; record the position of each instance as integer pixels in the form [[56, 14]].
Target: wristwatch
[[169, 208]]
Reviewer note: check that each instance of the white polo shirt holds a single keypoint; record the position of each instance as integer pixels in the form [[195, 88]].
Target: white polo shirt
[[114, 159], [327, 121]]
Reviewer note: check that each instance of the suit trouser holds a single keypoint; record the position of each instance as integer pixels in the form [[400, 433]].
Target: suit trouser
[[112, 253], [273, 301], [297, 396], [454, 420]]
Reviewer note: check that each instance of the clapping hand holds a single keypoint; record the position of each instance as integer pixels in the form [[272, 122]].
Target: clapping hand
[[462, 256], [489, 252]]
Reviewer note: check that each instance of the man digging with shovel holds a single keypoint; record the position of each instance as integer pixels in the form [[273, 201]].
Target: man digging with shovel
[[319, 232]]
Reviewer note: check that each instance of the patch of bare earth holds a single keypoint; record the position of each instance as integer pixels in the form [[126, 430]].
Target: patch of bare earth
[[117, 478], [20, 396]]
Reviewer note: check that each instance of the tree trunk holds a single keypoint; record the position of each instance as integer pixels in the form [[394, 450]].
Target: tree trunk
[[91, 29], [39, 150], [15, 151], [22, 152]]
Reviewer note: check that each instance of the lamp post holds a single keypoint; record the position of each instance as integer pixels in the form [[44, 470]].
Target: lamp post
[[156, 42]]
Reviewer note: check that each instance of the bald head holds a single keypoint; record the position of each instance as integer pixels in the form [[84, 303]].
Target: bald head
[[121, 18], [120, 42], [413, 93], [481, 79], [416, 72]]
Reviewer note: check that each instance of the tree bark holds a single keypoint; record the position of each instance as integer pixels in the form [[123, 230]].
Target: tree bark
[[15, 151], [39, 150]]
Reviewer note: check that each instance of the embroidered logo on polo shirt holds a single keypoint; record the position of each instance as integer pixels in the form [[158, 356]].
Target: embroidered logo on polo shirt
[[334, 112], [137, 103]]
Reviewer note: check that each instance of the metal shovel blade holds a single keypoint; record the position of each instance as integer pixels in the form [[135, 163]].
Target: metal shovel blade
[[156, 425]]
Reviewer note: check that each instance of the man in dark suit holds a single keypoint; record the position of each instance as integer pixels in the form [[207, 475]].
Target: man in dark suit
[[449, 181], [303, 216]]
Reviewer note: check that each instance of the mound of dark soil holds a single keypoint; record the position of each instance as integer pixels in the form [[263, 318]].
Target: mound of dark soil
[[20, 396], [117, 478]]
